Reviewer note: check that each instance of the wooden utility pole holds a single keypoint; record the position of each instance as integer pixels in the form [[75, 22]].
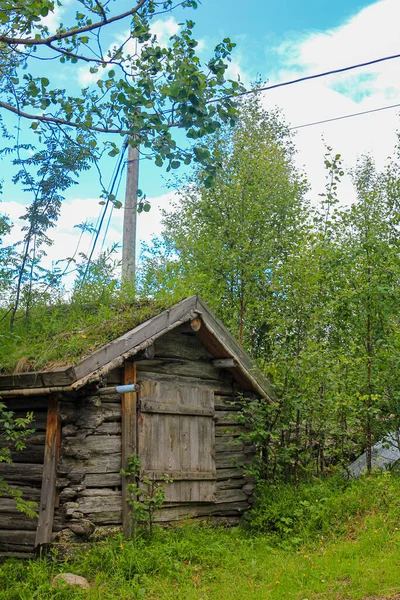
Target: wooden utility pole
[[130, 216]]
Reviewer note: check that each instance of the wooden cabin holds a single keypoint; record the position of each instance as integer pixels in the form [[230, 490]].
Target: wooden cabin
[[186, 371]]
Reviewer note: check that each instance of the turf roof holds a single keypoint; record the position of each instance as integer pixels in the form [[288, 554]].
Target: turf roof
[[64, 333]]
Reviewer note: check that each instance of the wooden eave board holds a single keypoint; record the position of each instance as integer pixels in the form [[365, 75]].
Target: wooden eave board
[[57, 377], [223, 345], [213, 335]]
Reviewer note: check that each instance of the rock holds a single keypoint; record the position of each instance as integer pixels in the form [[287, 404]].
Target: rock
[[77, 515], [71, 579], [65, 536], [68, 494], [82, 527], [69, 430], [70, 507]]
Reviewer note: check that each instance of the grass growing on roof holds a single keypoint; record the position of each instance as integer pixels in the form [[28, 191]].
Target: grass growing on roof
[[64, 332]]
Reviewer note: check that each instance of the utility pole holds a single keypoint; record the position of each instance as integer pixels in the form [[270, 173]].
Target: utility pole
[[130, 216]]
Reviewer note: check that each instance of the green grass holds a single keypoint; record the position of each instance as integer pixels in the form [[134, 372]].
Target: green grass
[[64, 333], [348, 549]]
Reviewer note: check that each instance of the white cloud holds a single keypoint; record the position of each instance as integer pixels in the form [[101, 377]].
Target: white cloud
[[370, 34], [237, 71], [78, 210], [163, 29], [54, 18]]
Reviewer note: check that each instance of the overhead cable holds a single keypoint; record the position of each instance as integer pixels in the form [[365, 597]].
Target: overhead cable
[[114, 181], [309, 77], [358, 114]]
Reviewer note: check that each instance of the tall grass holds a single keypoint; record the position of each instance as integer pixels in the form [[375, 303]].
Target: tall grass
[[336, 539]]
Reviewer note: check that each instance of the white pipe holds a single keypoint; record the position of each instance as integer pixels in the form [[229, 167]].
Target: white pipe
[[126, 389]]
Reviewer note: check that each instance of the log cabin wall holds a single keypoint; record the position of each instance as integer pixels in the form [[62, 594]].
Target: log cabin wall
[[17, 531], [88, 478], [182, 359], [88, 482], [88, 471]]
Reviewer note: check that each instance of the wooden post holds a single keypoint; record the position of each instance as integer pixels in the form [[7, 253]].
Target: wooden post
[[129, 442], [130, 216], [48, 492]]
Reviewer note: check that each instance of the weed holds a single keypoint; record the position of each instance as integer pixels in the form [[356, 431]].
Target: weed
[[144, 495], [349, 548]]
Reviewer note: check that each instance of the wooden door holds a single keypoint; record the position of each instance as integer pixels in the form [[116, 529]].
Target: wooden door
[[176, 436]]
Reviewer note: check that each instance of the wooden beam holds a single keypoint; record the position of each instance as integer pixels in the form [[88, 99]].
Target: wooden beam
[[195, 324], [175, 409], [128, 440], [146, 354], [224, 363], [48, 492], [220, 342]]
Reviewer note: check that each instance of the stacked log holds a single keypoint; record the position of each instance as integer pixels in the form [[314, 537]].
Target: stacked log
[[89, 480], [18, 531]]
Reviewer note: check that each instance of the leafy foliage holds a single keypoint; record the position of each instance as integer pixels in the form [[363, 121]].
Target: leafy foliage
[[354, 555], [13, 434], [311, 291], [223, 242], [140, 87], [144, 495]]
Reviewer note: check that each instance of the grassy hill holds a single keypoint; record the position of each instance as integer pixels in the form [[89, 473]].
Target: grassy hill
[[327, 540]]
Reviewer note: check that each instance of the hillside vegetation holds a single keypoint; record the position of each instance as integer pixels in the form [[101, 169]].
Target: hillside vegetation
[[328, 540]]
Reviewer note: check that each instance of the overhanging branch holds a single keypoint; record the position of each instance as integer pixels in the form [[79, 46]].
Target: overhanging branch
[[72, 32], [58, 121], [65, 122]]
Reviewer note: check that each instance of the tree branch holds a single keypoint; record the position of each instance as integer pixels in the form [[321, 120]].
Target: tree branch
[[82, 57], [72, 32], [58, 121]]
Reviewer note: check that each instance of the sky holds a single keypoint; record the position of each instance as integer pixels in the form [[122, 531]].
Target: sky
[[277, 40]]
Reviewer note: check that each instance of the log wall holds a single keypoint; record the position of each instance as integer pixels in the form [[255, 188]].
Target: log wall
[[88, 471], [17, 531], [88, 483]]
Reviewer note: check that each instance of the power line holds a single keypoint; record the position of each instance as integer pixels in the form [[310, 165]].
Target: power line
[[358, 114], [308, 77], [112, 209], [104, 212]]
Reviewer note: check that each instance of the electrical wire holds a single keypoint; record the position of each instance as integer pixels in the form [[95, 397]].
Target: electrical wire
[[358, 114], [101, 211], [307, 78], [121, 158], [112, 209]]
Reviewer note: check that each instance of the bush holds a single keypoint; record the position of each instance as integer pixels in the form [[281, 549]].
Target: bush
[[322, 508]]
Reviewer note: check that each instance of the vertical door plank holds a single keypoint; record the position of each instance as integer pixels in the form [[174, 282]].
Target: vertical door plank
[[181, 442], [48, 492], [128, 439]]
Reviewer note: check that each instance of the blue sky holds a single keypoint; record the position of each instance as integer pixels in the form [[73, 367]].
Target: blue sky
[[279, 40]]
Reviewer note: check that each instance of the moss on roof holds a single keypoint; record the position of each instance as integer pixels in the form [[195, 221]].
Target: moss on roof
[[65, 333]]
